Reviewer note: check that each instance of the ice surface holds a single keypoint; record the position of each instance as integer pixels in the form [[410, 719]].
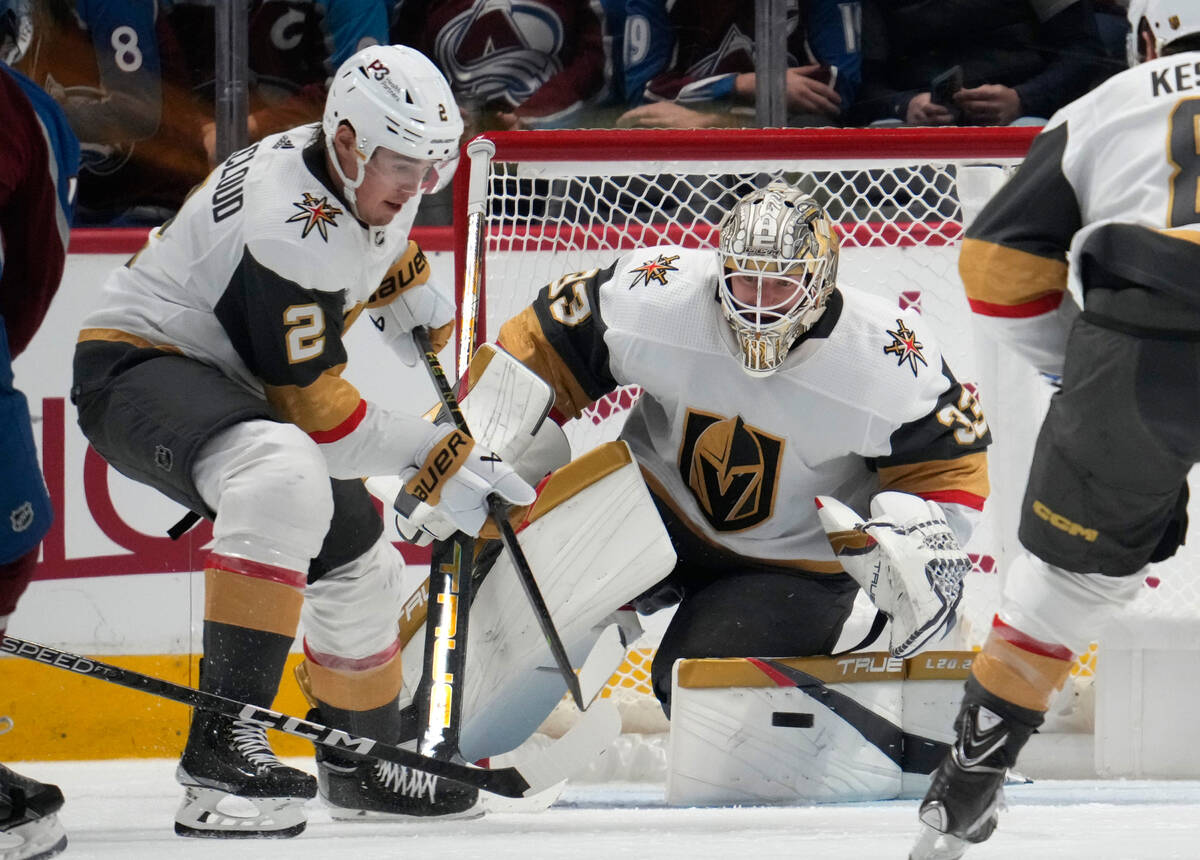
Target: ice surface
[[123, 810]]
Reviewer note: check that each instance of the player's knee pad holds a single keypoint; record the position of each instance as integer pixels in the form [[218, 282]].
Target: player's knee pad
[[1060, 606], [350, 614], [269, 485]]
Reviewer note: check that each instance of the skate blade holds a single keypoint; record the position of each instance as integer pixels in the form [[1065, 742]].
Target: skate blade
[[209, 813], [935, 845], [39, 839], [341, 813]]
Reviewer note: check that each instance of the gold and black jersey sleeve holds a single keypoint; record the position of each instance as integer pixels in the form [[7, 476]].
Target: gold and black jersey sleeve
[[561, 338], [1014, 257], [942, 455], [290, 337]]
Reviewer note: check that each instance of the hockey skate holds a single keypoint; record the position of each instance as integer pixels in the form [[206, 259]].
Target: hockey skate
[[356, 789], [29, 826], [964, 800], [234, 786]]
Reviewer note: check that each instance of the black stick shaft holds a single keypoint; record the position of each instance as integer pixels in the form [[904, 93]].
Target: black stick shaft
[[506, 781], [499, 512]]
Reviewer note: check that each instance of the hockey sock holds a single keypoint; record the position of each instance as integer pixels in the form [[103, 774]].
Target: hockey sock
[[250, 620], [1019, 669]]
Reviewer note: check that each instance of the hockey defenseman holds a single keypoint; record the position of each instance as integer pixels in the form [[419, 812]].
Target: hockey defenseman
[[766, 385], [1111, 182], [212, 372], [39, 160]]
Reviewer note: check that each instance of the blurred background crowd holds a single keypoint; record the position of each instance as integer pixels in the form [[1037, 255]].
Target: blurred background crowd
[[137, 77]]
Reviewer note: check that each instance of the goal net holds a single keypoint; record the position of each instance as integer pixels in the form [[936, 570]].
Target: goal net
[[548, 203]]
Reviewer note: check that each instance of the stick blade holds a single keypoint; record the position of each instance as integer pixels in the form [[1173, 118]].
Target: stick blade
[[587, 740]]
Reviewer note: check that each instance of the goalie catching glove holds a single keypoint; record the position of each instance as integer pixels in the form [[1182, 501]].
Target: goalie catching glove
[[906, 559], [449, 491]]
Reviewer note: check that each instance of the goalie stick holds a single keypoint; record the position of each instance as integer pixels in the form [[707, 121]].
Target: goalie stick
[[499, 511], [586, 740]]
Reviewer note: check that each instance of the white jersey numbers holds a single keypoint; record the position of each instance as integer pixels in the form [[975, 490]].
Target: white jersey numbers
[[972, 426], [305, 333], [1183, 147], [569, 303]]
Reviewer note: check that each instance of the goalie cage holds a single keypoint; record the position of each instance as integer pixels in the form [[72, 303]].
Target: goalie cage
[[534, 205]]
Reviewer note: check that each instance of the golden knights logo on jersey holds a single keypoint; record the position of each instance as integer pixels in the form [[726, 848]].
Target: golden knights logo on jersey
[[731, 468], [653, 270], [905, 346], [315, 212]]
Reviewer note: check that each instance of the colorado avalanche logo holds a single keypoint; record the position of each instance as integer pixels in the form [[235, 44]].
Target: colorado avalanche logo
[[320, 214], [502, 50], [905, 347], [653, 270]]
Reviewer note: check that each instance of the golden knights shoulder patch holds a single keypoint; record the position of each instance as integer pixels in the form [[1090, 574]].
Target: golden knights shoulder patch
[[731, 468], [653, 270], [905, 346], [315, 212]]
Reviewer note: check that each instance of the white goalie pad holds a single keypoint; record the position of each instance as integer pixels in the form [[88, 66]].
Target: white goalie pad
[[594, 541], [506, 404], [863, 726], [906, 559]]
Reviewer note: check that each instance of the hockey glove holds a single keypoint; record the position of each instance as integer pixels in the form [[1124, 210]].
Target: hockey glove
[[449, 491], [906, 559], [422, 305]]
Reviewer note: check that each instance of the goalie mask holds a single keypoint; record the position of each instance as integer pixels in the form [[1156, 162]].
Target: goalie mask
[[394, 97], [1168, 20], [779, 257]]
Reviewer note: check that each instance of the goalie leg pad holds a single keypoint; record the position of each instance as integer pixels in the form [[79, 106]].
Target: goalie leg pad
[[594, 541]]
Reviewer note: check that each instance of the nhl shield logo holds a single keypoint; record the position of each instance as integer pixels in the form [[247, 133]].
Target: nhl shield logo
[[731, 468], [164, 458], [21, 517]]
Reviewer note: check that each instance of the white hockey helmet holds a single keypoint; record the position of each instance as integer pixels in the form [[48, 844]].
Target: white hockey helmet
[[394, 97], [782, 237], [1168, 20]]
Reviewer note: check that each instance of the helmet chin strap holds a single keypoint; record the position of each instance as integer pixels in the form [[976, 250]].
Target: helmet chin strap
[[349, 186]]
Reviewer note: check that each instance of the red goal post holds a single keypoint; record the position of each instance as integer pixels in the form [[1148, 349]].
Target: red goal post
[[531, 206]]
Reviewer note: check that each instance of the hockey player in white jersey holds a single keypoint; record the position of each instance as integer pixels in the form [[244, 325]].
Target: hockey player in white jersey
[[765, 385], [1111, 185], [212, 372]]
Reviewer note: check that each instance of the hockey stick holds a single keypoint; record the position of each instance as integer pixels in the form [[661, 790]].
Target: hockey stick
[[499, 511], [586, 740]]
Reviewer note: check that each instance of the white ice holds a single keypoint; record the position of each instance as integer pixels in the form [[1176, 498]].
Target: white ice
[[123, 810]]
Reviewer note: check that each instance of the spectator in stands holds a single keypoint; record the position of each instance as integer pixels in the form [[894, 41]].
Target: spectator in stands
[[104, 65], [996, 61], [690, 63], [508, 67], [294, 48]]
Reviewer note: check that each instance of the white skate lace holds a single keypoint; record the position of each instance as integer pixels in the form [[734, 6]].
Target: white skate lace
[[250, 739], [403, 780]]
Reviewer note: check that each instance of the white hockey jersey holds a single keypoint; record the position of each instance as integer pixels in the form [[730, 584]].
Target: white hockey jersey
[[1127, 153], [259, 274], [864, 402]]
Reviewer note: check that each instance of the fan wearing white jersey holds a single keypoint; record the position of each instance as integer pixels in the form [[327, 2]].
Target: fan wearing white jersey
[[1109, 185], [765, 386], [212, 372]]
